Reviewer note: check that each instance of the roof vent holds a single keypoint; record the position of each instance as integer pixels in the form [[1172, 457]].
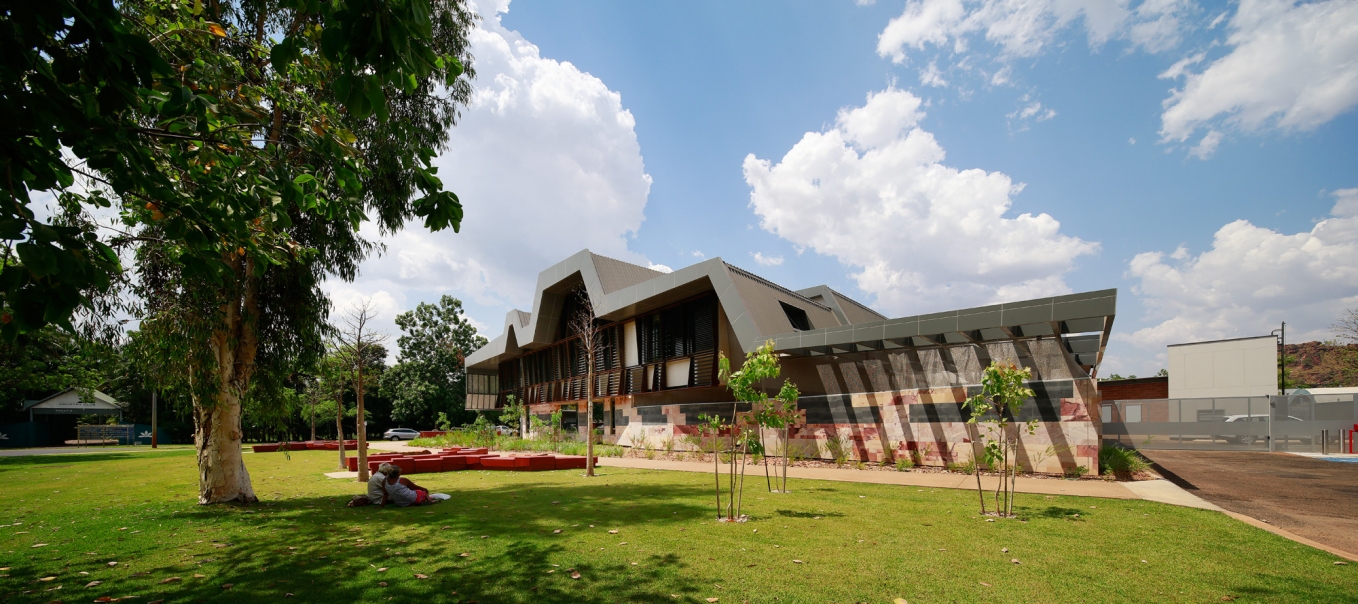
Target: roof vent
[[796, 316]]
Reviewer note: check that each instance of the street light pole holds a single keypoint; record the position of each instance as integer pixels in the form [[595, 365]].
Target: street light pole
[[154, 441]]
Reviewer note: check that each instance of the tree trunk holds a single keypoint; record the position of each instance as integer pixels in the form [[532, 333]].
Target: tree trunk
[[313, 419], [765, 448], [339, 431], [787, 452], [976, 465], [361, 426], [589, 418], [716, 468], [222, 476]]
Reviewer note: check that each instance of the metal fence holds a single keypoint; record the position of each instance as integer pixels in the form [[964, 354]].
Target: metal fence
[[1303, 422]]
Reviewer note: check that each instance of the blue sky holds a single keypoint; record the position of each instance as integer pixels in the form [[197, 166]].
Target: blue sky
[[1219, 200]]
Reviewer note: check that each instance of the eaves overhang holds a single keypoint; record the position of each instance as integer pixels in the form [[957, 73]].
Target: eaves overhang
[[1082, 321]]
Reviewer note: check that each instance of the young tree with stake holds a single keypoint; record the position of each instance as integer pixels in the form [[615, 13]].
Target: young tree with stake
[[584, 326], [1003, 393], [360, 340]]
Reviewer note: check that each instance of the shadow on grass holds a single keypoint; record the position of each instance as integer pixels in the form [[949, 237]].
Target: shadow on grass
[[16, 462], [1050, 512], [318, 550], [812, 515]]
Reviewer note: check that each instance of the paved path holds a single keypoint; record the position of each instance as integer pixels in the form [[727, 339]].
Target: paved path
[[1082, 488]]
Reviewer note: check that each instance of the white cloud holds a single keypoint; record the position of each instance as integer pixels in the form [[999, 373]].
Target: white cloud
[[1031, 111], [659, 267], [1024, 28], [767, 260], [931, 76], [1207, 146], [873, 192], [1291, 66], [546, 162], [1251, 280]]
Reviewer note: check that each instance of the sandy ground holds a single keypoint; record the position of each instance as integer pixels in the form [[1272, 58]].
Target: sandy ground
[[1313, 498]]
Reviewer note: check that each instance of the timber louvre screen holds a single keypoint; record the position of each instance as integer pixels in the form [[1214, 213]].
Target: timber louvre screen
[[685, 331]]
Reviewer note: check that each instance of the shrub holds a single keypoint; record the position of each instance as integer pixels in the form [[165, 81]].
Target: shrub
[[835, 446], [966, 468], [904, 464], [1076, 472], [1121, 462]]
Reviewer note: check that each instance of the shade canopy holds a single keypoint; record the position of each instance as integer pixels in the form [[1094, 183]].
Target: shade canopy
[[70, 402]]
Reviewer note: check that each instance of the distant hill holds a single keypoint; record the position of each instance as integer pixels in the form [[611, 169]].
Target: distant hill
[[1320, 365]]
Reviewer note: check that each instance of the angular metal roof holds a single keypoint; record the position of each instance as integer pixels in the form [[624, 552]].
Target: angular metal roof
[[754, 307]]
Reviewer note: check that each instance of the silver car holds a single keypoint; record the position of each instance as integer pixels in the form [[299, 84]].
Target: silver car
[[400, 434]]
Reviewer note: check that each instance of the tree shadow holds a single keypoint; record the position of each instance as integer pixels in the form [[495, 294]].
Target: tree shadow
[[811, 515], [319, 550], [56, 460], [1051, 512]]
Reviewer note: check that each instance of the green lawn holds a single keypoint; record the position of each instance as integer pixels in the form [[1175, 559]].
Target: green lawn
[[857, 542]]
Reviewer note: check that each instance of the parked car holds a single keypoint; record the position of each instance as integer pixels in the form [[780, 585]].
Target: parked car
[[400, 434], [505, 431], [1249, 439]]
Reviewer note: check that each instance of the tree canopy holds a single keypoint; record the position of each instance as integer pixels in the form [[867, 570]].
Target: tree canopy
[[429, 377]]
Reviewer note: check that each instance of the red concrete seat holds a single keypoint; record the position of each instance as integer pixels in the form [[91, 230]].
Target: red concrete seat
[[264, 448], [406, 464], [428, 463], [535, 463], [453, 463], [372, 465], [569, 462], [497, 463]]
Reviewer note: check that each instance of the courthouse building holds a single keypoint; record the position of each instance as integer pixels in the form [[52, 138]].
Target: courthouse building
[[872, 385]]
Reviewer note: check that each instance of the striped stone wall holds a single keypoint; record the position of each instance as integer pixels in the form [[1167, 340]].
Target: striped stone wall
[[876, 407]]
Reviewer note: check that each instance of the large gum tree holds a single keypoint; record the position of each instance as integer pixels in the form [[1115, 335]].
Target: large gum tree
[[243, 143]]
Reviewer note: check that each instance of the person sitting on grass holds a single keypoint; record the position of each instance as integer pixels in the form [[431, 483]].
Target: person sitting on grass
[[402, 492], [379, 478]]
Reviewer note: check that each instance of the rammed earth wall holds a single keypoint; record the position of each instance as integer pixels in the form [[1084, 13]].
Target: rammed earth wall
[[879, 406]]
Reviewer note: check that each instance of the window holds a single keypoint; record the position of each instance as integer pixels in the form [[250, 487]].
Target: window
[[797, 317], [1133, 413]]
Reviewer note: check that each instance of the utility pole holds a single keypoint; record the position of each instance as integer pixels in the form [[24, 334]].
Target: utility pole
[[154, 441], [1282, 358]]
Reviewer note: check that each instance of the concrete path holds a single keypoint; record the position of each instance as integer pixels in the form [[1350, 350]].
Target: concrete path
[[395, 446], [1081, 488]]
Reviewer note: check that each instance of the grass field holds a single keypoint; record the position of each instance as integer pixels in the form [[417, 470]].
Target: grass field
[[855, 542]]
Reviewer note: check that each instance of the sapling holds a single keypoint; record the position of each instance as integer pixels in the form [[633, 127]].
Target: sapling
[[1003, 395]]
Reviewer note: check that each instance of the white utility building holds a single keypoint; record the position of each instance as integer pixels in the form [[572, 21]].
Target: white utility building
[[1224, 368]]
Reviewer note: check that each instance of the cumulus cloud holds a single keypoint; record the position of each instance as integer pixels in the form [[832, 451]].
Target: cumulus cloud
[[1251, 280], [1024, 28], [546, 162], [1291, 66], [767, 260], [873, 192]]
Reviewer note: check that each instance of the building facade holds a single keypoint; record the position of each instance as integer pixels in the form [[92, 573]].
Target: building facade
[[872, 388]]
